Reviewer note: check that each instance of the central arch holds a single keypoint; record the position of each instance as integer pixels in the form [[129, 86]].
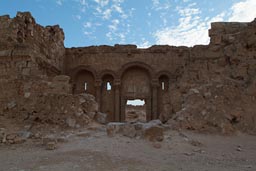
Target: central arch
[[136, 84]]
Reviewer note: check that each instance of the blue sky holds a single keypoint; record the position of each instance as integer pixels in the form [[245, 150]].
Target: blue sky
[[140, 22]]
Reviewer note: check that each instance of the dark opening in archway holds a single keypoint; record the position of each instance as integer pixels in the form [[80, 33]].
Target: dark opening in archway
[[135, 110], [84, 82]]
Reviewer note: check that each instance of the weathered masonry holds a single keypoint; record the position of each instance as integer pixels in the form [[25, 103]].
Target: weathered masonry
[[162, 76], [120, 73]]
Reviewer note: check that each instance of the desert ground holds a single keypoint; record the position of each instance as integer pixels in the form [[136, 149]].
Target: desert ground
[[93, 150]]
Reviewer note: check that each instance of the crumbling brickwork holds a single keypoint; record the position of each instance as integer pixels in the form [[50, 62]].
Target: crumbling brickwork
[[205, 87]]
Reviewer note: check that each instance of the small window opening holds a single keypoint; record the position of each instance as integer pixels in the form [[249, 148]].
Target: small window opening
[[85, 86], [109, 86], [163, 86]]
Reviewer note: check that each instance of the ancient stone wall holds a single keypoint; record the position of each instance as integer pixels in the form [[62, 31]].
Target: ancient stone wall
[[29, 53], [205, 87], [218, 86], [27, 48]]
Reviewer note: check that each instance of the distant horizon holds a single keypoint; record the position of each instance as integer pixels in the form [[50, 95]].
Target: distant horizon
[[141, 23]]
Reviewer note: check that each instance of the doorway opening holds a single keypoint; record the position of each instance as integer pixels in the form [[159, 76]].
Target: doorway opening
[[135, 110]]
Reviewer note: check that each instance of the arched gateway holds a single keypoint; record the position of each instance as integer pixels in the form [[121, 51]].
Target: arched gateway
[[134, 80]]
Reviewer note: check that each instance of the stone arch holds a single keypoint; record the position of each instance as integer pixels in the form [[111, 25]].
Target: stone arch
[[161, 73], [163, 78], [83, 80], [108, 95], [136, 64], [107, 72], [136, 78], [79, 68]]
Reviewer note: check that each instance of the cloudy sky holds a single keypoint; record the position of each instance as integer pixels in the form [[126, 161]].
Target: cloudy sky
[[140, 22]]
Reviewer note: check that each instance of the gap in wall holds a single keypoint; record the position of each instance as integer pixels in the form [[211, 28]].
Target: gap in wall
[[135, 111]]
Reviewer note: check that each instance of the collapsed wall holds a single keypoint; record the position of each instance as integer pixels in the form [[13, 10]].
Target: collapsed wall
[[31, 87]]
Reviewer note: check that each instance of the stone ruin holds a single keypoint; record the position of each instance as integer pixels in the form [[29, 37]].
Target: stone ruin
[[205, 88]]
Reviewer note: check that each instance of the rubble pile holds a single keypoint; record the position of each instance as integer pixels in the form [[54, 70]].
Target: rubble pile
[[152, 131], [49, 102], [216, 108], [217, 91]]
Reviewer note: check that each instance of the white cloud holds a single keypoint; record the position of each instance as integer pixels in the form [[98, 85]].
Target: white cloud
[[102, 3], [87, 25], [83, 2], [144, 44], [193, 29], [117, 8], [122, 37], [87, 33], [78, 17], [109, 36], [114, 25], [190, 31], [244, 11], [106, 14], [59, 2], [163, 5]]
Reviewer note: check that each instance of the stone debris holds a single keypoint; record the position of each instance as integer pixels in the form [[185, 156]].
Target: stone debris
[[157, 145], [51, 146], [14, 138], [101, 118], [153, 130], [239, 148], [2, 135]]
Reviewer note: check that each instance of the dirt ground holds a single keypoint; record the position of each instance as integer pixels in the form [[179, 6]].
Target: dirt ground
[[93, 150]]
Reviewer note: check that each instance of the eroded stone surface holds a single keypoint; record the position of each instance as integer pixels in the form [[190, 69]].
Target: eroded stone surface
[[205, 87]]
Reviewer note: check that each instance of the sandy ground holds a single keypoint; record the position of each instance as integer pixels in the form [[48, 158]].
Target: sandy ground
[[95, 151]]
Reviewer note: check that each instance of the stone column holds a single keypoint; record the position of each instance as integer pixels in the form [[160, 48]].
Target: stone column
[[117, 86], [149, 108], [122, 108], [154, 85], [98, 92]]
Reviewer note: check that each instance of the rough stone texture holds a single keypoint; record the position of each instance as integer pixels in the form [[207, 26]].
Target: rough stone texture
[[152, 131], [37, 47], [101, 118], [205, 87], [47, 102]]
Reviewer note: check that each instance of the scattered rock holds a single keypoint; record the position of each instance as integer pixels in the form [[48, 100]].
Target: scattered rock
[[199, 151], [195, 143], [49, 138], [24, 134], [11, 104], [189, 154], [153, 133], [129, 130], [114, 128], [51, 145], [157, 145], [101, 118], [11, 136], [2, 135], [239, 148], [71, 122]]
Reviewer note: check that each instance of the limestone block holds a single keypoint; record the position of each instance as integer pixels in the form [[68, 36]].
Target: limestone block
[[114, 128]]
